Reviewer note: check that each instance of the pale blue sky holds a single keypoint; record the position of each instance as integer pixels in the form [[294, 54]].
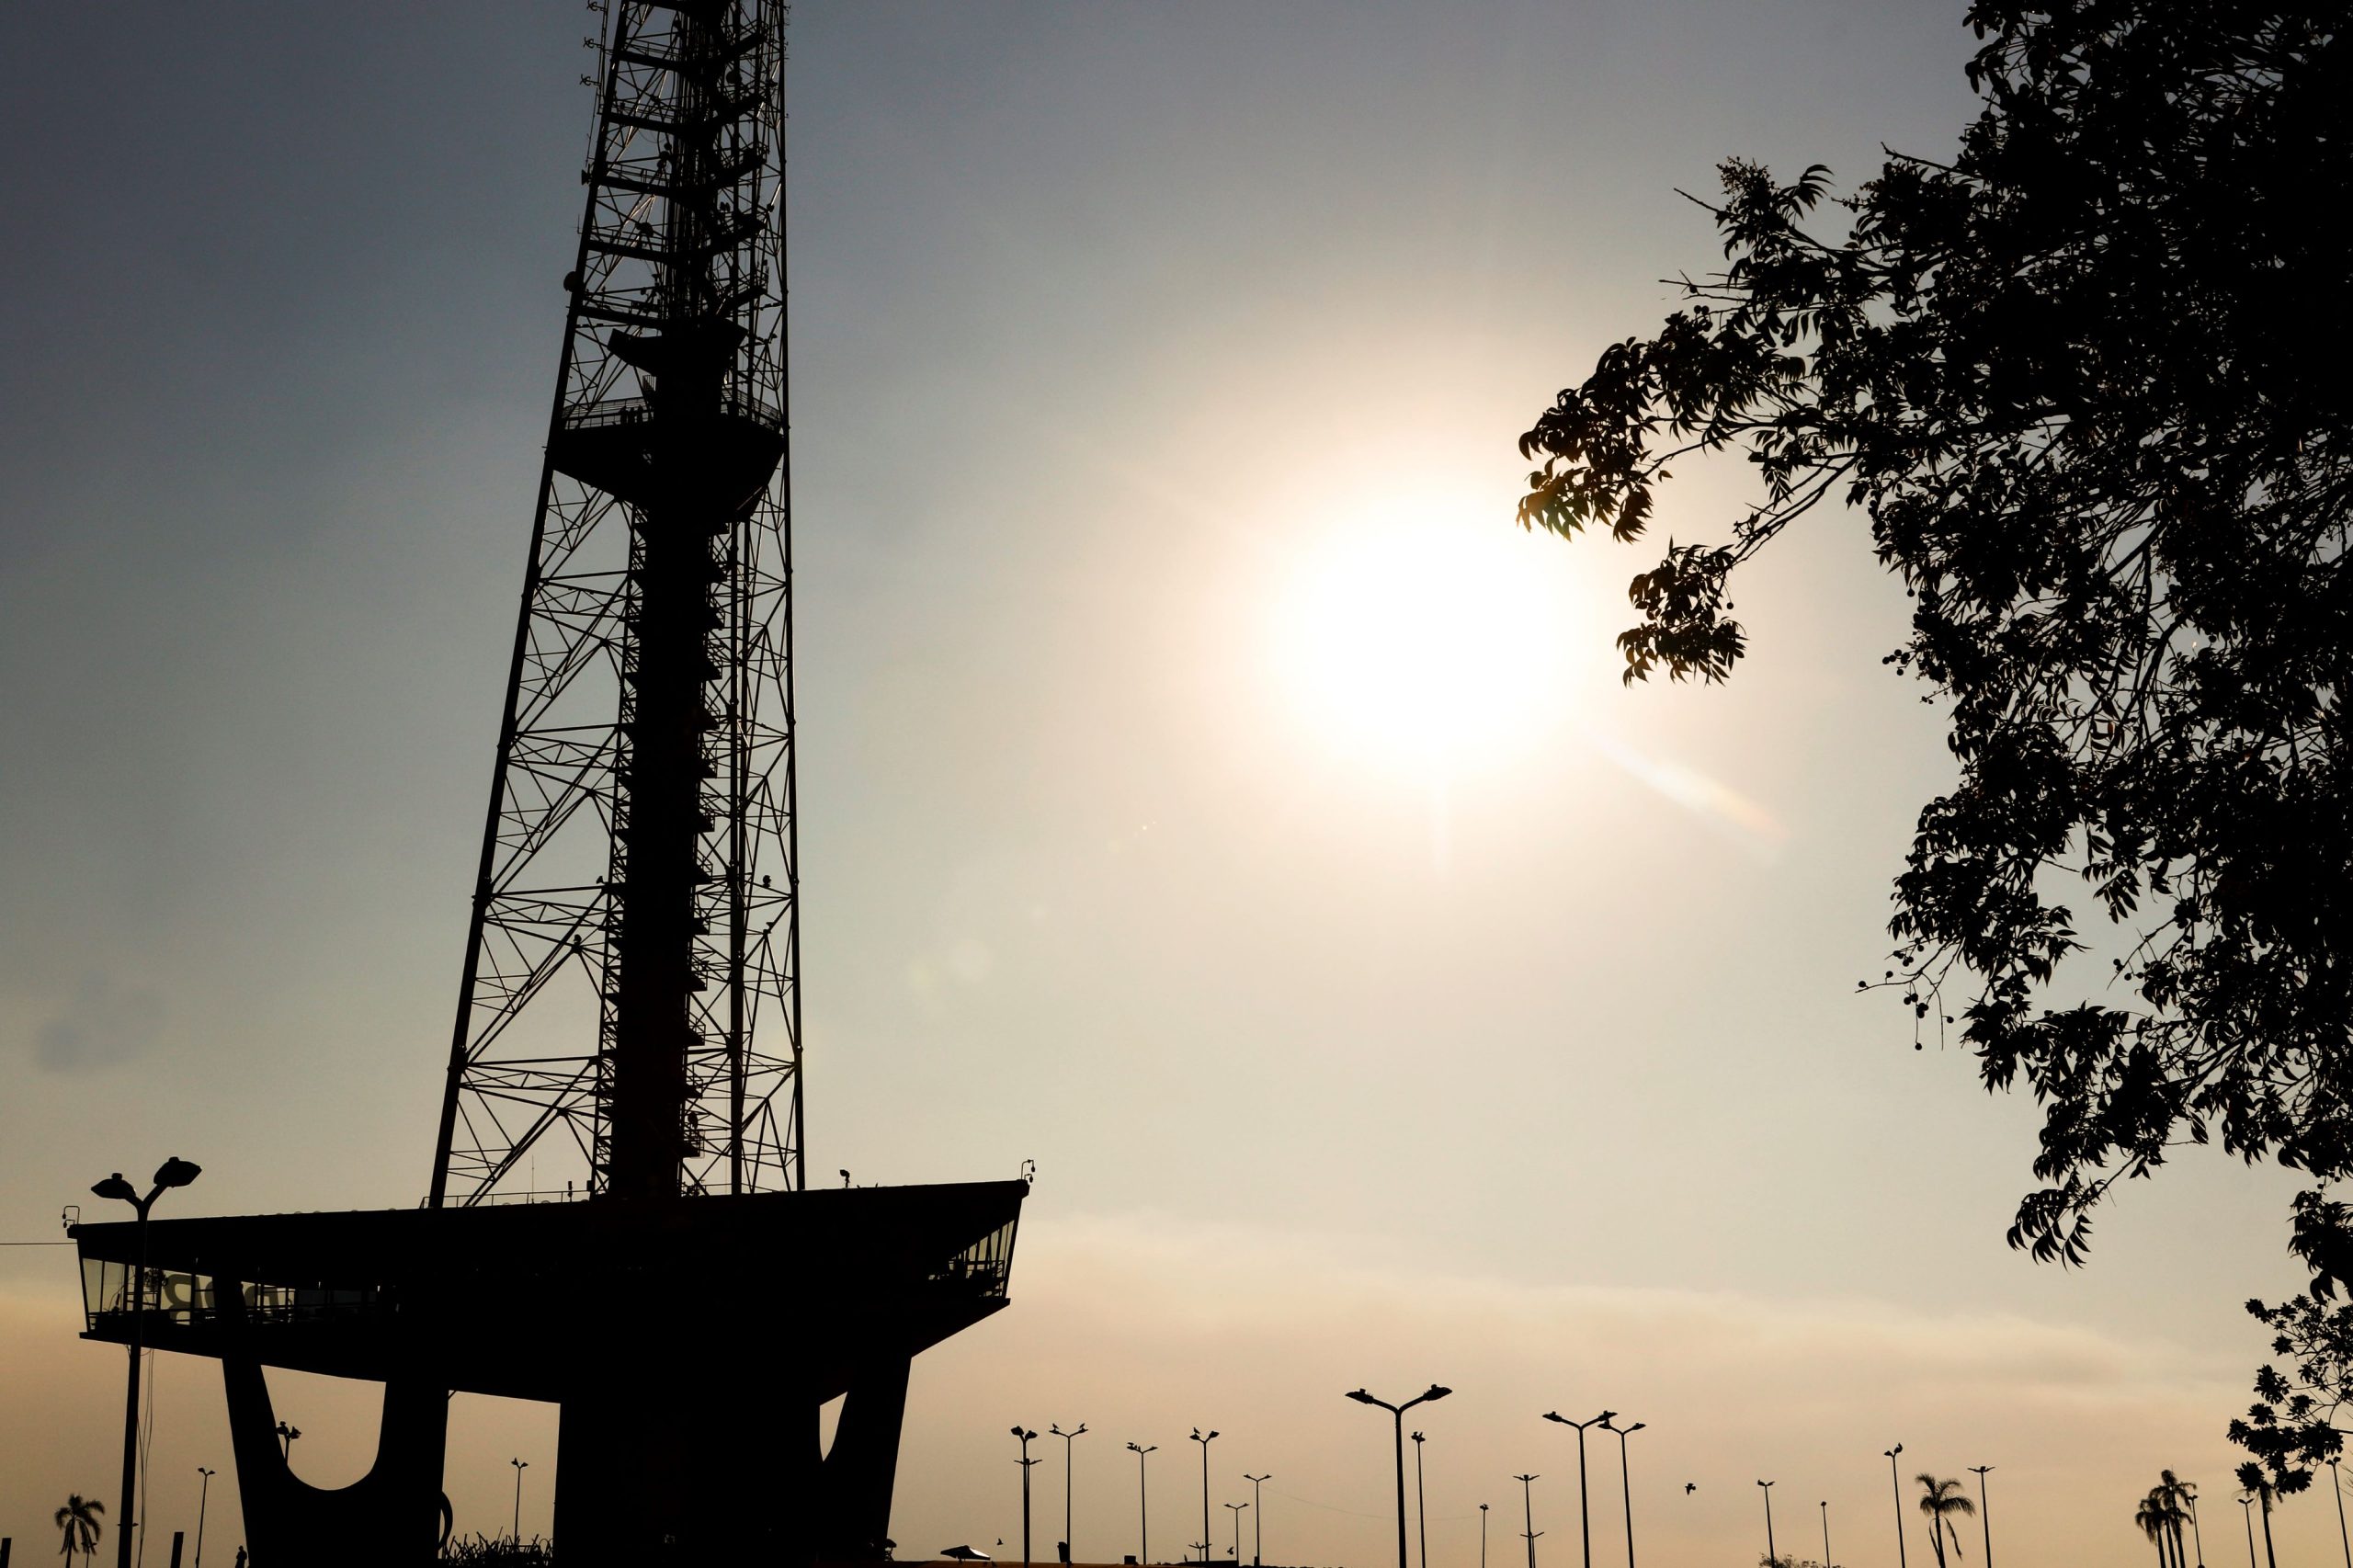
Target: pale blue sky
[[1113, 324]]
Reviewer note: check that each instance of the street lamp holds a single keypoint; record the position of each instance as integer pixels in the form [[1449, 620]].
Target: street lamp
[[2246, 1511], [1897, 1487], [1144, 1511], [1625, 1484], [1025, 1461], [1236, 1508], [1985, 1515], [520, 1466], [286, 1436], [1398, 1411], [1483, 1536], [1070, 1554], [1258, 1520], [1585, 1512], [2198, 1538], [174, 1172], [202, 1497], [1825, 1533], [1527, 1509], [2342, 1538], [1205, 1443], [1770, 1555], [1421, 1504]]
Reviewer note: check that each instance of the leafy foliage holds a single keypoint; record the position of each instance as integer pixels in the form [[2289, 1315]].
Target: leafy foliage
[[2086, 381]]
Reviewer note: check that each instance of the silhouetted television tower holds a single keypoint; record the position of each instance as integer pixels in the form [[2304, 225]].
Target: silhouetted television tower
[[638, 865]]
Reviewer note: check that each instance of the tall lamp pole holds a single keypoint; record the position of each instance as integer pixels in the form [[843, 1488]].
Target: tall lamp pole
[[1258, 1519], [1205, 1442], [1986, 1517], [1825, 1533], [2246, 1511], [1770, 1555], [1483, 1536], [2198, 1537], [1527, 1511], [1236, 1509], [1025, 1461], [520, 1466], [1070, 1552], [1626, 1485], [1434, 1391], [1897, 1487], [204, 1496], [1143, 1509], [1585, 1512], [174, 1172], [2337, 1486]]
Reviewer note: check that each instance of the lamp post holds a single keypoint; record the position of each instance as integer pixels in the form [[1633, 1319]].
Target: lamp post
[[1025, 1461], [1770, 1555], [1585, 1513], [1527, 1511], [1625, 1484], [286, 1436], [1483, 1536], [174, 1172], [1897, 1486], [1825, 1533], [1236, 1509], [520, 1466], [2246, 1511], [1144, 1511], [2337, 1486], [1986, 1517], [1258, 1519], [1067, 1437], [1421, 1504], [1398, 1411], [2198, 1538], [1205, 1443], [204, 1496]]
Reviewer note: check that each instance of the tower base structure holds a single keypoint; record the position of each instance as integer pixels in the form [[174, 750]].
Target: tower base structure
[[626, 1316]]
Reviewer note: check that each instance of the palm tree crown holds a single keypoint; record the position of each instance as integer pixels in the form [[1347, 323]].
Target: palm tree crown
[[1941, 1500], [79, 1520]]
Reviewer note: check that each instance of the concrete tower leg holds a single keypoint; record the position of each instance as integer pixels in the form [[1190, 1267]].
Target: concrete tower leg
[[858, 1476]]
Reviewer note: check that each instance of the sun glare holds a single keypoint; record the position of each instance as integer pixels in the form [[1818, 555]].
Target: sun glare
[[1425, 643]]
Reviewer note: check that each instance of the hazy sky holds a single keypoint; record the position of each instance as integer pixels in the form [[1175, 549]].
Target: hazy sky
[[1207, 793]]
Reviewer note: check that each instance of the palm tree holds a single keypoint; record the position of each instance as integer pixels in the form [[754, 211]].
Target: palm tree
[[2179, 1496], [79, 1520], [2155, 1522], [1941, 1500]]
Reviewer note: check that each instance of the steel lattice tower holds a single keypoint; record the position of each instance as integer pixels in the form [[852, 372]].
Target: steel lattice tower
[[631, 970]]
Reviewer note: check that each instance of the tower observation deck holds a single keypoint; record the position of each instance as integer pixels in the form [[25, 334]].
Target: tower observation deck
[[627, 1030]]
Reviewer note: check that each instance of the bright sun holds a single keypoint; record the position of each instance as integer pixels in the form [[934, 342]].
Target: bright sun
[[1424, 642]]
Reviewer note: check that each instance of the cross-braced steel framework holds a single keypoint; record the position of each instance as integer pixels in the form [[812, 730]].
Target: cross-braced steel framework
[[628, 1014]]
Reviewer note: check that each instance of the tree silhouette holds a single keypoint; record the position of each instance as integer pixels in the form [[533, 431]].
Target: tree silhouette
[[1941, 1500], [2160, 1518], [2080, 383], [79, 1520], [2179, 1496]]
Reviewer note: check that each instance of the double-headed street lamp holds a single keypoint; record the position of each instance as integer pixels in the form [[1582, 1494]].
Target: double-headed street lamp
[[204, 1496], [1205, 1443], [1625, 1484], [1236, 1508], [1585, 1512], [1398, 1411], [1770, 1555], [1258, 1520], [1070, 1553], [520, 1466], [1143, 1509], [174, 1172], [286, 1436], [1897, 1487], [1527, 1508], [1985, 1515], [1025, 1461]]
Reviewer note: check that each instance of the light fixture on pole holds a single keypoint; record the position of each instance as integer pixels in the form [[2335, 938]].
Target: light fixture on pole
[[286, 1436], [1236, 1509], [520, 1466], [1770, 1555], [1897, 1487], [174, 1172], [204, 1496], [1398, 1411], [1825, 1533], [1527, 1511], [1585, 1511], [1025, 1461], [1625, 1484], [1483, 1536], [2246, 1511], [1205, 1443], [1985, 1515], [1070, 1552], [1143, 1510], [1258, 1520], [2198, 1537]]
